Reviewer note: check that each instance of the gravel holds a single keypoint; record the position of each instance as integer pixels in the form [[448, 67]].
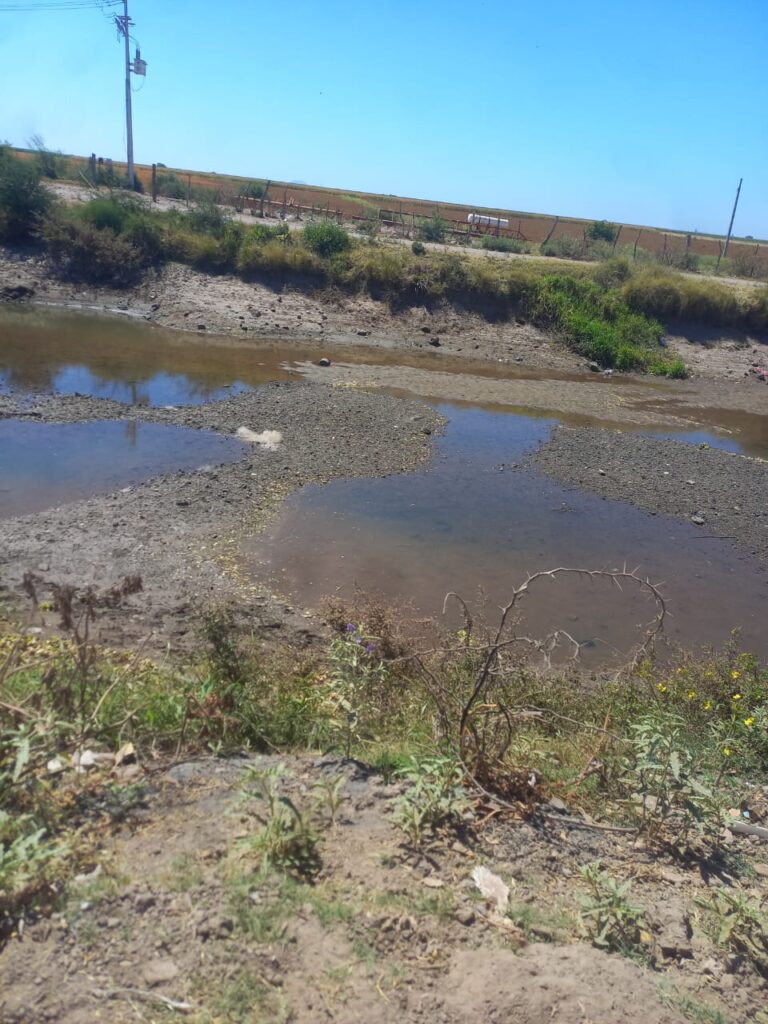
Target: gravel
[[724, 494], [181, 532]]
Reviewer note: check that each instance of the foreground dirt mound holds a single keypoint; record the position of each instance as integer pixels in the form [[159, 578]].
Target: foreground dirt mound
[[178, 921], [546, 984]]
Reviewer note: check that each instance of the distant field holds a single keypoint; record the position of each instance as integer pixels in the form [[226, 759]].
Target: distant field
[[529, 227]]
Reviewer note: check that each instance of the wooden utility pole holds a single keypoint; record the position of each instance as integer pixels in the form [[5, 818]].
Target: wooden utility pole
[[724, 250]]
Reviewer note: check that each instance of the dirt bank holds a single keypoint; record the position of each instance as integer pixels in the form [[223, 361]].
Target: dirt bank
[[380, 935], [723, 493], [181, 298], [179, 532]]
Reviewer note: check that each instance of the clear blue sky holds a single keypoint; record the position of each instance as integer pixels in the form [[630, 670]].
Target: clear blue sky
[[644, 112]]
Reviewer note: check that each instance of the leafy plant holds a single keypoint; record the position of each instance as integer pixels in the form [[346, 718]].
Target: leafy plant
[[24, 200], [607, 916], [504, 244], [288, 839], [418, 248], [432, 229], [325, 238], [602, 231], [672, 801], [741, 923], [435, 796]]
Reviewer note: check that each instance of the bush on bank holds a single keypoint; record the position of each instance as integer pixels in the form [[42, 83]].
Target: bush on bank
[[609, 311]]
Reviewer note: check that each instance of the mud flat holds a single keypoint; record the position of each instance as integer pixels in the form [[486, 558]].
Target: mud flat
[[725, 494], [179, 531]]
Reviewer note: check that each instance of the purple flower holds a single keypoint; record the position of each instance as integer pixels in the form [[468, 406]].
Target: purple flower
[[351, 627], [370, 648]]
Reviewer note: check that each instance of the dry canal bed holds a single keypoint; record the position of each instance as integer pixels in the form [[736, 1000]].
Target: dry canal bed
[[155, 483]]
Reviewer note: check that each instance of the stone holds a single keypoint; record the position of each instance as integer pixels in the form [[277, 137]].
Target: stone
[[465, 916], [698, 519], [325, 361], [159, 972], [761, 870], [673, 929]]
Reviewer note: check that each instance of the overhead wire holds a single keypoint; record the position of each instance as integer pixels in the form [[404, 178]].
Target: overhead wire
[[57, 5]]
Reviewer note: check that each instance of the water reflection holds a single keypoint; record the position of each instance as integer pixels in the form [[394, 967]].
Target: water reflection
[[43, 465], [475, 519]]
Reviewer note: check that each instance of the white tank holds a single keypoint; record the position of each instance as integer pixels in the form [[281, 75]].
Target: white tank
[[487, 222]]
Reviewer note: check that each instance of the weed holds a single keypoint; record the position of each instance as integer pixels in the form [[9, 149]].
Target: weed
[[24, 200], [288, 839], [608, 918], [670, 800], [503, 244], [418, 248], [435, 797], [693, 1009], [330, 796], [740, 923]]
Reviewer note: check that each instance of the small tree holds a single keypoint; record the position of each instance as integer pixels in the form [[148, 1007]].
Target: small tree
[[24, 200], [602, 231], [433, 229]]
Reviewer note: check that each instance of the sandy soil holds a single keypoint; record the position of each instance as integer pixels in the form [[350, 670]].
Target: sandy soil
[[180, 532], [178, 911]]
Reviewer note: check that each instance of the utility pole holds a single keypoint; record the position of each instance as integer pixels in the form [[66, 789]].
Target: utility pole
[[138, 67], [724, 250]]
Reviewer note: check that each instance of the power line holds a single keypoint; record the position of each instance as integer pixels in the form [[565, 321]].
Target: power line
[[58, 5]]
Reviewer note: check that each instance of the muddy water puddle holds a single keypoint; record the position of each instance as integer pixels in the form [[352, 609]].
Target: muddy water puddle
[[478, 520], [44, 465]]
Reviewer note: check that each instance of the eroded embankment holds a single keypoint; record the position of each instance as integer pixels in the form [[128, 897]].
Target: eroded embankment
[[726, 495], [179, 531]]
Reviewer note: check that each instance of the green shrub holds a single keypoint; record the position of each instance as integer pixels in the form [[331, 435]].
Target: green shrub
[[106, 213], [49, 164], [207, 217], [653, 294], [566, 247], [432, 229], [169, 185], [81, 252], [325, 238], [418, 248], [502, 244], [602, 231], [24, 200]]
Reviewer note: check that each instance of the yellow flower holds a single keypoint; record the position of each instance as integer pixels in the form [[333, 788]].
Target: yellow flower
[[691, 694], [735, 674], [707, 705], [708, 675], [661, 687], [749, 722], [727, 751], [737, 696]]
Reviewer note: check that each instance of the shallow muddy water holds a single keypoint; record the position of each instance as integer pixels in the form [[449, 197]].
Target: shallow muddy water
[[477, 520], [44, 465]]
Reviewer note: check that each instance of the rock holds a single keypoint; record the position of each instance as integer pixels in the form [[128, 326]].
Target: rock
[[144, 901], [201, 327], [435, 342], [465, 916], [556, 804], [428, 330], [698, 519], [363, 334], [672, 925], [761, 870], [325, 361], [159, 972], [594, 367]]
